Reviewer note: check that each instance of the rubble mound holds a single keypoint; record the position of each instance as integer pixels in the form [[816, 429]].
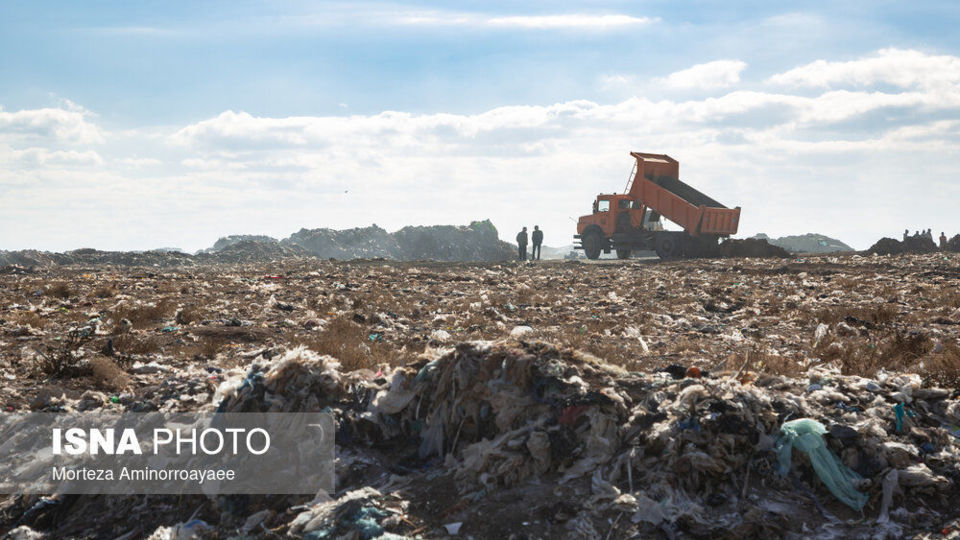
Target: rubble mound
[[227, 241], [886, 246], [127, 258], [663, 451], [807, 243], [751, 247], [29, 258], [358, 243], [954, 244], [255, 251], [913, 244], [95, 257], [476, 242]]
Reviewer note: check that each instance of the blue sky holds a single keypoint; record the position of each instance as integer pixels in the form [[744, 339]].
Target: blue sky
[[131, 125]]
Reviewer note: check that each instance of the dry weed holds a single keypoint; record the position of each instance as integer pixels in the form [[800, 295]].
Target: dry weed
[[31, 318], [105, 291], [107, 375], [145, 315], [60, 289], [136, 344]]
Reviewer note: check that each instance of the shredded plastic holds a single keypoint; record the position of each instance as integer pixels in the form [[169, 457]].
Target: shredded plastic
[[806, 435]]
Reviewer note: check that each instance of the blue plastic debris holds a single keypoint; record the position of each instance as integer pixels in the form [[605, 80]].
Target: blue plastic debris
[[806, 435], [899, 411], [689, 423], [426, 371], [847, 408]]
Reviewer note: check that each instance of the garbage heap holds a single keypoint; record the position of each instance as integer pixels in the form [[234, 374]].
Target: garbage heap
[[95, 257], [252, 251], [912, 244], [954, 244], [807, 243], [492, 438], [478, 241], [750, 247]]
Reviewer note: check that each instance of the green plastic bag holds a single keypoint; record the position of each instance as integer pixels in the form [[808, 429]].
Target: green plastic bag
[[806, 435]]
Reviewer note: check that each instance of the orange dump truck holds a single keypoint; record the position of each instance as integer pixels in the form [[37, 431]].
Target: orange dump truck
[[630, 221]]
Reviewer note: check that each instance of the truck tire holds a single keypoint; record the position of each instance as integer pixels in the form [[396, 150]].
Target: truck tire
[[623, 253], [591, 244], [668, 246]]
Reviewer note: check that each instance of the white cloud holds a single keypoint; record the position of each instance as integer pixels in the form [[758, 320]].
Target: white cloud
[[570, 21], [523, 129], [897, 67], [711, 75], [67, 125], [584, 21], [41, 157], [230, 173], [139, 163]]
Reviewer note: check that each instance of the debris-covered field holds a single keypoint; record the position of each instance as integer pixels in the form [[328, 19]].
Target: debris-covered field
[[560, 399]]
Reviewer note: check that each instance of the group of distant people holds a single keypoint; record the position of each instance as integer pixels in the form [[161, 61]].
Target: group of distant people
[[927, 233], [536, 236]]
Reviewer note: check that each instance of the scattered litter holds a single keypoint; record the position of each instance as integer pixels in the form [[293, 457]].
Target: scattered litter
[[655, 410]]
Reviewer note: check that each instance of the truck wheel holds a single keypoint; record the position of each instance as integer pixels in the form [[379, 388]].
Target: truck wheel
[[591, 245], [623, 253], [668, 246]]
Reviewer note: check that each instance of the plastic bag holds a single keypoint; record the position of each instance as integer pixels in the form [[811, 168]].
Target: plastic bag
[[806, 435]]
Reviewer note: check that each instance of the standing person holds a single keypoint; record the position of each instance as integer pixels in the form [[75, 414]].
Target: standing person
[[943, 241], [537, 238], [522, 244], [906, 234]]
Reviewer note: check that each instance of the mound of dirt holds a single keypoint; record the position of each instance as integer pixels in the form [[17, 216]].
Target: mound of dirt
[[886, 246], [954, 244], [227, 241], [478, 241], [751, 247], [913, 244], [254, 251], [358, 243], [807, 243]]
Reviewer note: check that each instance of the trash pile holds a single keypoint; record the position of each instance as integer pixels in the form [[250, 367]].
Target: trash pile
[[252, 251], [478, 241], [359, 243], [227, 241], [651, 453], [911, 244], [525, 436], [807, 243], [953, 245], [799, 397], [95, 257], [750, 247]]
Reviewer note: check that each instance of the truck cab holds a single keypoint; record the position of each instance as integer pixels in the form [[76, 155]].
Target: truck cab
[[611, 211], [617, 212]]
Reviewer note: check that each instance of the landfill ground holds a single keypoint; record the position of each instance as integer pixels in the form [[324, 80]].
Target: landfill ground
[[618, 399]]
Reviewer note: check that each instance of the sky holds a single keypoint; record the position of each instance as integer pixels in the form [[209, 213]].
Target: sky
[[139, 125]]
